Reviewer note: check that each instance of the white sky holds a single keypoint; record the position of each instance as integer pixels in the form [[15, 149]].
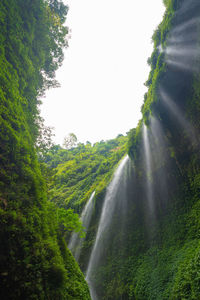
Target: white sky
[[105, 67]]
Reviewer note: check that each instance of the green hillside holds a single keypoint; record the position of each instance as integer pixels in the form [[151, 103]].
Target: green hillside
[[77, 172], [34, 260]]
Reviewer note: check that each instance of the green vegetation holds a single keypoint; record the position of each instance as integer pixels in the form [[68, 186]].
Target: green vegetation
[[44, 187], [34, 260], [147, 258], [75, 173], [168, 267]]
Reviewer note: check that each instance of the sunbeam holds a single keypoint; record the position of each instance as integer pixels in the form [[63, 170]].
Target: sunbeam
[[185, 66], [186, 51], [185, 26], [185, 124], [183, 39]]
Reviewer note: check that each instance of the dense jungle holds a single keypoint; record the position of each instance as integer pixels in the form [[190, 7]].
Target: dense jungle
[[116, 220]]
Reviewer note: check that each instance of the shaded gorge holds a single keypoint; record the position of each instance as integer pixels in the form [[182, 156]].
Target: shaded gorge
[[143, 240]]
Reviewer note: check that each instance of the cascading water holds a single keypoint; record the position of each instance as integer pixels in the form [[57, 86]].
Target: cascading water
[[161, 164], [159, 157], [159, 142], [76, 242], [148, 168], [115, 200]]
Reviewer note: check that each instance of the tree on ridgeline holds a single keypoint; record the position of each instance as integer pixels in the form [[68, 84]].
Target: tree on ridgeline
[[70, 141]]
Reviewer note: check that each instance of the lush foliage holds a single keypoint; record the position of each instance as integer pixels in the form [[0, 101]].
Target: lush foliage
[[75, 173], [150, 255], [168, 268], [34, 261]]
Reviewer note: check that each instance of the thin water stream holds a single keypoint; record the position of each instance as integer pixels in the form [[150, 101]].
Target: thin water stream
[[110, 202], [148, 168], [76, 241]]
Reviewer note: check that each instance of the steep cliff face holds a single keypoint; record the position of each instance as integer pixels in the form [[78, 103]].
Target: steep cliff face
[[34, 260], [167, 161]]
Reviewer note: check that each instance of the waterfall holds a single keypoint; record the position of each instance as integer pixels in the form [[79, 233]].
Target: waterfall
[[148, 168], [115, 200], [76, 242], [161, 162]]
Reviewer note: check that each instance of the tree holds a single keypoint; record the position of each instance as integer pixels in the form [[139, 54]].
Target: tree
[[70, 141], [69, 221], [44, 139]]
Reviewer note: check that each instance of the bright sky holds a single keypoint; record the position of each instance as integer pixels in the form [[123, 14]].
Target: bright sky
[[105, 67]]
